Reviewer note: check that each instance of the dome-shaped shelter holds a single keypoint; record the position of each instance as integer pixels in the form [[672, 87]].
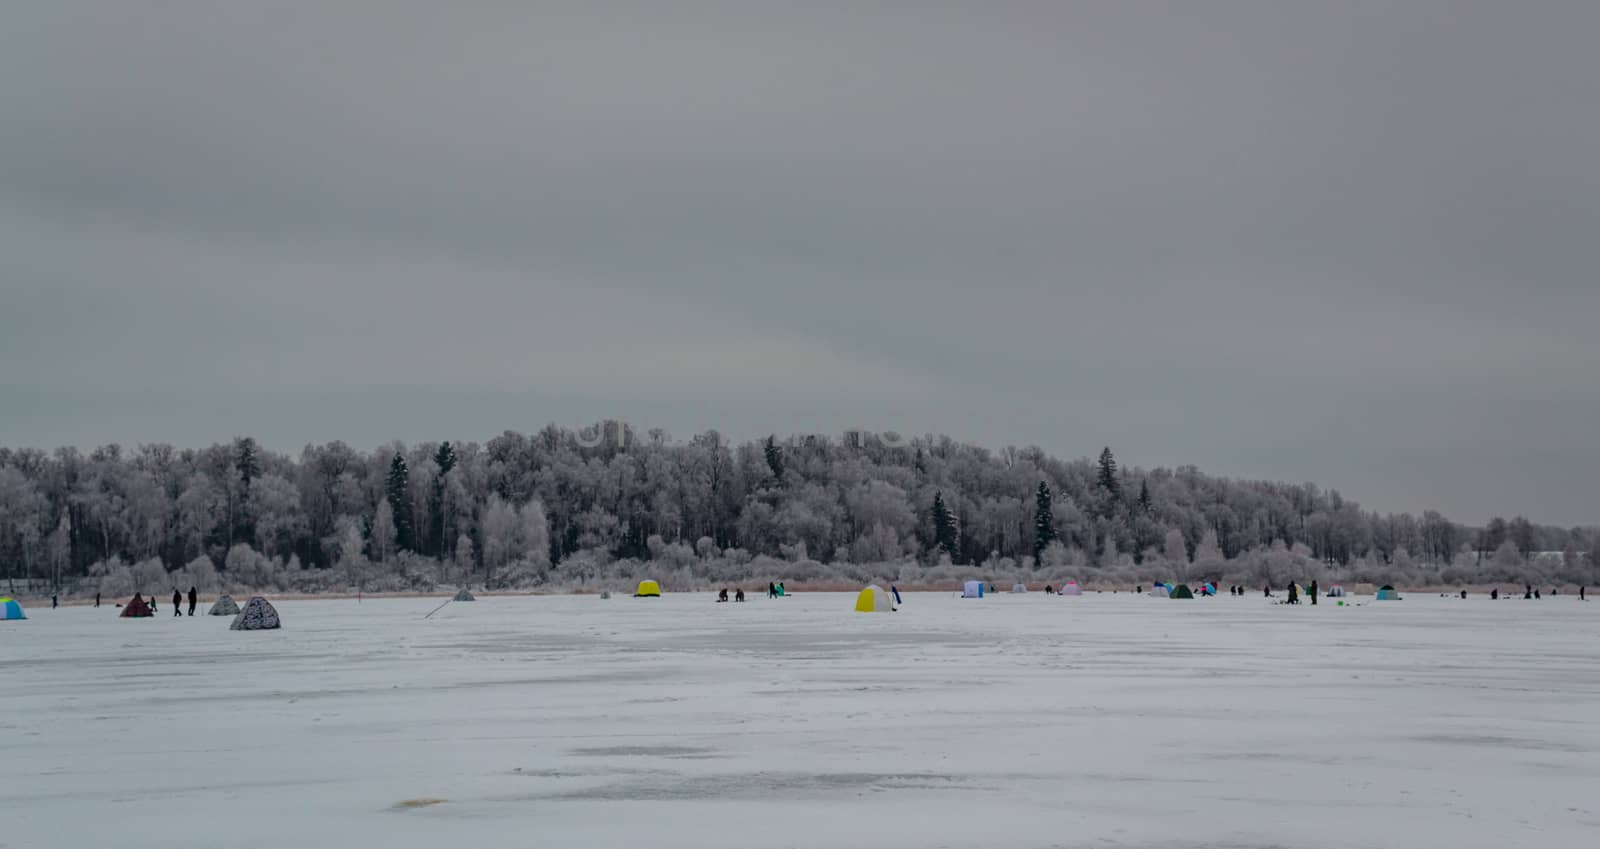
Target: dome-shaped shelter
[[137, 608], [1181, 591], [225, 606], [1160, 591], [10, 608], [874, 599], [464, 595], [1019, 588], [1387, 593], [648, 589], [258, 614], [1072, 588]]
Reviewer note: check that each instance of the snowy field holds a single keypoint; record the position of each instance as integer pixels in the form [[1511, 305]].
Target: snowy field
[[1011, 721]]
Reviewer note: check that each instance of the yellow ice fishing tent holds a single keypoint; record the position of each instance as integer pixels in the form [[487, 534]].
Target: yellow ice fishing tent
[[648, 589], [873, 599]]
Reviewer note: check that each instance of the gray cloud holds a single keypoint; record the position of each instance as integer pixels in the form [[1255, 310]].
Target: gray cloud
[[1349, 243]]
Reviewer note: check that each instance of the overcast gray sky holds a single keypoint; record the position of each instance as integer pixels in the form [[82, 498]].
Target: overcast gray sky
[[1353, 243]]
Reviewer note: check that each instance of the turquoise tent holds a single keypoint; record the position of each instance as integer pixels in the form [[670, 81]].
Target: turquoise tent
[[1387, 593], [10, 609]]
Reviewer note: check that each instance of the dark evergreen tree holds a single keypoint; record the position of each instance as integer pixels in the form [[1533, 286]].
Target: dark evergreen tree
[[246, 461], [946, 537], [1107, 479], [439, 524], [1044, 521], [1144, 496], [397, 487], [774, 453]]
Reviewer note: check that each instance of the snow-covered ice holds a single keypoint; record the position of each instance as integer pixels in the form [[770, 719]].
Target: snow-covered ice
[[1012, 721]]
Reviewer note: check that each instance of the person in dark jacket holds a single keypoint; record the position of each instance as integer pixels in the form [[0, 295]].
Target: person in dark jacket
[[154, 608], [1580, 594], [738, 594], [1294, 593], [1313, 592], [96, 599], [177, 603], [772, 589], [722, 596], [1494, 594], [194, 599], [1266, 591]]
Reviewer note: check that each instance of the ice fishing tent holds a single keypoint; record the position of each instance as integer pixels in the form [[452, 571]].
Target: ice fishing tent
[[225, 606], [10, 608], [1181, 591], [648, 589], [137, 608], [1019, 588], [972, 589], [463, 595], [1208, 589], [258, 615], [1160, 591], [1072, 588], [1387, 593], [874, 599], [1336, 592]]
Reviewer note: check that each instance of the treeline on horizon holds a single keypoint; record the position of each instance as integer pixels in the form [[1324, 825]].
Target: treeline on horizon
[[572, 509]]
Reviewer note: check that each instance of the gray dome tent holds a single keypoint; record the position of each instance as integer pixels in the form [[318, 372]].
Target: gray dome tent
[[463, 595], [225, 606], [257, 615]]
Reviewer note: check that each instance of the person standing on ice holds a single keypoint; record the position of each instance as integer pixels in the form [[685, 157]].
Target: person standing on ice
[[1580, 595], [194, 599], [895, 591], [1313, 592], [1294, 593], [96, 599], [177, 602]]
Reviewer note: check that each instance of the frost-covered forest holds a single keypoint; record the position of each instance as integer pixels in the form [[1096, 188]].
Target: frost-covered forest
[[564, 509]]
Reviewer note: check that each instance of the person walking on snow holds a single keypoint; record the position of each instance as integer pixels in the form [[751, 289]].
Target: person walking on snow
[[1313, 592], [177, 602], [194, 599]]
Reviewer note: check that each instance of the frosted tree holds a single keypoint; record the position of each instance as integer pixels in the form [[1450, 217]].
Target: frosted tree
[[384, 532], [498, 526], [1175, 551], [1106, 476], [534, 534]]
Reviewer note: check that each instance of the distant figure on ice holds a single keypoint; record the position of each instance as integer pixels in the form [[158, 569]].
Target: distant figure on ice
[[738, 594], [96, 599], [1267, 591], [1313, 592], [895, 591], [1494, 594], [772, 590], [1294, 593], [153, 606], [53, 604], [781, 590], [194, 599], [1528, 593], [1535, 593], [1463, 593], [1580, 594], [722, 596], [177, 602]]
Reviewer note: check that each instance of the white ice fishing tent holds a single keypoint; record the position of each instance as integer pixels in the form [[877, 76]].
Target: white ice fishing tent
[[1019, 588], [972, 589], [1072, 588], [1160, 591]]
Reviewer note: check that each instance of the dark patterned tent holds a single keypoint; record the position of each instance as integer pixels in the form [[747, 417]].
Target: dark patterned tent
[[257, 615], [136, 608], [463, 595], [225, 606]]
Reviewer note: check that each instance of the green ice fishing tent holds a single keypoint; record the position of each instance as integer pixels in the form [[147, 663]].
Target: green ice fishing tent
[[1181, 591]]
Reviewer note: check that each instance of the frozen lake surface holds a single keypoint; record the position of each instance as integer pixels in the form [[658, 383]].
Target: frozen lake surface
[[1011, 721]]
